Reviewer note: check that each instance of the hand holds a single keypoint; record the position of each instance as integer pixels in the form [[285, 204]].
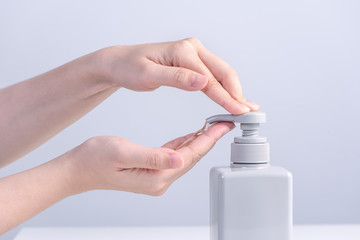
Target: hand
[[184, 64], [115, 163]]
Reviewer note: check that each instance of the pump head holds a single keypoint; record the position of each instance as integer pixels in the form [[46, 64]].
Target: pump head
[[249, 148], [251, 117]]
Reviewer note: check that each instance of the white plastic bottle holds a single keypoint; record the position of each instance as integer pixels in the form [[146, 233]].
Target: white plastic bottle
[[250, 200]]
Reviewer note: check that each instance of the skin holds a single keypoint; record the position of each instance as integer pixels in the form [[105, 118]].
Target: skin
[[39, 108]]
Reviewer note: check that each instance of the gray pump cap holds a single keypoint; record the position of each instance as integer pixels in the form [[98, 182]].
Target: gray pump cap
[[251, 117], [249, 148]]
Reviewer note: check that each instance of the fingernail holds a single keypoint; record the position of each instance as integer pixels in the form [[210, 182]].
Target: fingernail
[[175, 161], [243, 108], [198, 81], [253, 105]]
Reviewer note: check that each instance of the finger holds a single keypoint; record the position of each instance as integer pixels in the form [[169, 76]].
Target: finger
[[252, 105], [197, 148], [174, 144], [216, 92], [213, 89], [178, 77], [226, 75], [223, 72], [136, 156]]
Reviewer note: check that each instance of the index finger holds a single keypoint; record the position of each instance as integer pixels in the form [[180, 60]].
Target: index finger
[[192, 152], [201, 145], [225, 74]]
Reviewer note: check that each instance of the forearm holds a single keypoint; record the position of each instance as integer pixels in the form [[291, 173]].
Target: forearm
[[25, 194], [35, 110]]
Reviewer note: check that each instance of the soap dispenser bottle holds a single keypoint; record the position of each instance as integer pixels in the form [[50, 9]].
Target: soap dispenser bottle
[[250, 200]]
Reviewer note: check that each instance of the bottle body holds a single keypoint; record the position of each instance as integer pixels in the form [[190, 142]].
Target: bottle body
[[250, 203]]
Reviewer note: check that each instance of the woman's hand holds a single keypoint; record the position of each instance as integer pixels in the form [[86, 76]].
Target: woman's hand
[[184, 64], [115, 163]]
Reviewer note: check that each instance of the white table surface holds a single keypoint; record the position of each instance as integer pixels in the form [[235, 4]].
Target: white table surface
[[301, 232]]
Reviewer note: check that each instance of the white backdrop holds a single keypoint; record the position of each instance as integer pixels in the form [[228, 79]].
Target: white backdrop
[[298, 59]]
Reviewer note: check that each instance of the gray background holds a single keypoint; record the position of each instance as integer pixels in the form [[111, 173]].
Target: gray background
[[298, 59]]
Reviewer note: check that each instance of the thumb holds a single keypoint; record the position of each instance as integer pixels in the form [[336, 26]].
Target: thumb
[[180, 78], [156, 158]]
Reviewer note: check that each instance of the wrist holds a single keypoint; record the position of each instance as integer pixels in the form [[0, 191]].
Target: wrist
[[102, 66], [94, 68], [72, 174]]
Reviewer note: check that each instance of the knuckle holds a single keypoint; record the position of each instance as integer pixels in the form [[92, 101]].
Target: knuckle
[[183, 48], [180, 76], [118, 143], [118, 140], [94, 141], [91, 141], [230, 73], [212, 84], [154, 160], [184, 45], [194, 41], [179, 48], [108, 146]]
